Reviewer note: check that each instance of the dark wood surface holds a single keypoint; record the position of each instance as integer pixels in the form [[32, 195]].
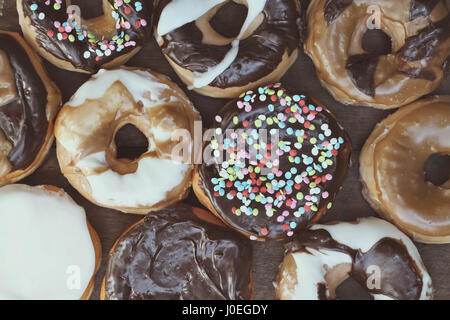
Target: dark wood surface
[[359, 122]]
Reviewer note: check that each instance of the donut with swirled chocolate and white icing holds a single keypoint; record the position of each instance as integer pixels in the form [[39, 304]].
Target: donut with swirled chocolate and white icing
[[372, 251], [217, 65], [85, 131]]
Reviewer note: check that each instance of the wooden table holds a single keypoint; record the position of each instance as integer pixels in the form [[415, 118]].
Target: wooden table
[[359, 122]]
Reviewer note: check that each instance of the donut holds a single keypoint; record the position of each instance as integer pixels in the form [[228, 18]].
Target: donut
[[179, 253], [420, 39], [377, 255], [87, 152], [222, 66], [267, 187], [392, 164], [59, 34], [29, 101], [52, 251]]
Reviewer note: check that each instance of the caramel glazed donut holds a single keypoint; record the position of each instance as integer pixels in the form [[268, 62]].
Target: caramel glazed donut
[[392, 165], [179, 253], [29, 101], [51, 250], [75, 44], [87, 153], [372, 251], [217, 66], [273, 185], [420, 36]]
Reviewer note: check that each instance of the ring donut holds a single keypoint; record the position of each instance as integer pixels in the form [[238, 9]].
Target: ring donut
[[29, 101], [371, 251], [179, 253], [267, 189], [218, 66], [420, 38], [85, 131], [86, 45], [51, 249], [392, 164]]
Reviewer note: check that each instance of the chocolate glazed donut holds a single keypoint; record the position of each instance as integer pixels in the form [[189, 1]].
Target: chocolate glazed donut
[[419, 31], [28, 105], [176, 254], [297, 188], [266, 49], [102, 42]]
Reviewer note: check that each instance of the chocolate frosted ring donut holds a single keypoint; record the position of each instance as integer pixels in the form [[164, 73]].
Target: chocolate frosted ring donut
[[392, 165], [372, 251], [75, 44], [420, 38], [29, 101], [267, 188], [179, 253], [89, 157], [222, 66]]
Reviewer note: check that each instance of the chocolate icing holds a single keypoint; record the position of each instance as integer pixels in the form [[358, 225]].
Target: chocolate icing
[[258, 56], [362, 68], [173, 254], [422, 8], [333, 9], [400, 279], [73, 51], [253, 224], [23, 120]]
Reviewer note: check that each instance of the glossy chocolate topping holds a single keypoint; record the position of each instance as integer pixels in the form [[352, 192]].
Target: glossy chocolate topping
[[259, 54], [130, 26], [172, 254], [333, 8], [422, 8], [23, 120], [400, 279], [362, 68], [314, 154]]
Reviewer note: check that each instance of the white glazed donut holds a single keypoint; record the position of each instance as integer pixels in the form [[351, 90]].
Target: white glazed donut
[[372, 251], [51, 250], [87, 153]]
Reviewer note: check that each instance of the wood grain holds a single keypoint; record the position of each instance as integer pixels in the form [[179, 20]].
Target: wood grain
[[358, 121]]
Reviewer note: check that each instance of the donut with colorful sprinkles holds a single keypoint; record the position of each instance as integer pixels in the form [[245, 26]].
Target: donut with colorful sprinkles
[[57, 31], [277, 161]]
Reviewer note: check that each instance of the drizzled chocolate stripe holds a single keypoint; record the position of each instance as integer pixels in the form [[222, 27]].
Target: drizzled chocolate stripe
[[422, 8], [334, 8], [362, 68], [401, 279], [173, 254], [23, 121]]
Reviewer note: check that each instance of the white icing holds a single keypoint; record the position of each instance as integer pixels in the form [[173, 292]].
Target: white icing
[[144, 87], [311, 270], [187, 11], [360, 236], [149, 185], [43, 235]]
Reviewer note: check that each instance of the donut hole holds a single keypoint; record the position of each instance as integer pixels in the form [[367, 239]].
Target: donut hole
[[90, 9], [376, 42], [131, 143], [437, 169], [350, 289], [226, 26]]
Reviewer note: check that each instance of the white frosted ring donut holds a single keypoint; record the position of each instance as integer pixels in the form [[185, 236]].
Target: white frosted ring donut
[[87, 153], [372, 251], [47, 247]]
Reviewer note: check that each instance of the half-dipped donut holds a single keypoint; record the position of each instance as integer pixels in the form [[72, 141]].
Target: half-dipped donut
[[86, 148], [392, 165], [382, 259], [420, 38], [223, 66], [49, 250], [275, 163], [180, 253], [73, 43], [29, 101]]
